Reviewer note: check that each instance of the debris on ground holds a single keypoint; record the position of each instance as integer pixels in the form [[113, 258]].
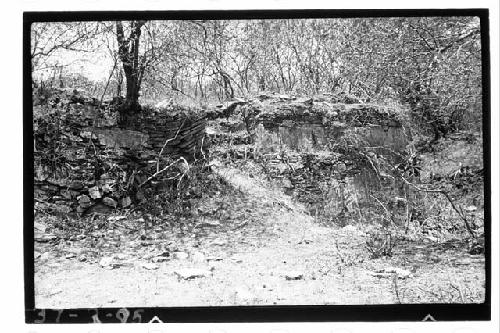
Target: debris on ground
[[390, 272], [150, 266], [192, 273], [294, 275]]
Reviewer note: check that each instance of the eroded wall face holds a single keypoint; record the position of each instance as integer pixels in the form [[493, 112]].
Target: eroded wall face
[[81, 157], [315, 150]]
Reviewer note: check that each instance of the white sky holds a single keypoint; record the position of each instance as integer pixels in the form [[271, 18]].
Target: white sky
[[95, 66]]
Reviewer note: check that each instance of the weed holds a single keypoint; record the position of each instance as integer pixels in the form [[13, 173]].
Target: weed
[[380, 243]]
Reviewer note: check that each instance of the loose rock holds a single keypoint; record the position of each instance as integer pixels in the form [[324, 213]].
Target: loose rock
[[110, 202], [116, 218], [94, 192], [76, 185], [84, 201], [180, 255], [219, 242], [150, 266], [44, 238], [192, 273], [121, 256], [214, 258], [40, 226], [294, 275], [390, 271], [159, 259], [126, 202], [107, 263]]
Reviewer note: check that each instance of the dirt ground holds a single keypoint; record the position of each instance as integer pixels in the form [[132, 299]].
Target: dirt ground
[[284, 259]]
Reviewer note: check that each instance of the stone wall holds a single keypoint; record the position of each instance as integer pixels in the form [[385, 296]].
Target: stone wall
[[184, 130], [317, 124], [83, 162], [313, 145]]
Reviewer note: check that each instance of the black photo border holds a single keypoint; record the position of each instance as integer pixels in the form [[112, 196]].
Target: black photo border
[[274, 313]]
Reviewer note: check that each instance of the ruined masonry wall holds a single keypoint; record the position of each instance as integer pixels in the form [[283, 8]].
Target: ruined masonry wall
[[83, 160]]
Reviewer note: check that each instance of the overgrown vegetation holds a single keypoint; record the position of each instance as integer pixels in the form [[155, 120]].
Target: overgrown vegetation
[[431, 64]]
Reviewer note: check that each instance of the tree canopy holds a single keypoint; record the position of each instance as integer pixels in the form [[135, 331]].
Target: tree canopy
[[430, 64]]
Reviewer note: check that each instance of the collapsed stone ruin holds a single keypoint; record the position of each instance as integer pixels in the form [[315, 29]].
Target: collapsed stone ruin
[[82, 160], [304, 143]]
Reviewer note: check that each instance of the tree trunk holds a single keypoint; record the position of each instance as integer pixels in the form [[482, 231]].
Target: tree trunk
[[61, 82], [128, 51], [119, 85], [133, 87]]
